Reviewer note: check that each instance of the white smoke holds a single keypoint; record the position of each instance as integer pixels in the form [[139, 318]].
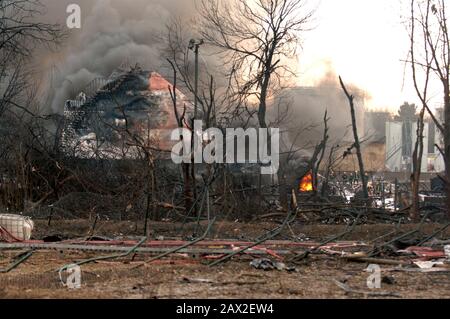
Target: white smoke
[[307, 107]]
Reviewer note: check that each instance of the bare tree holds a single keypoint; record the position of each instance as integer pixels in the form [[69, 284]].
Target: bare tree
[[180, 118], [417, 167], [356, 144], [255, 39], [430, 61], [20, 34], [27, 151], [324, 148]]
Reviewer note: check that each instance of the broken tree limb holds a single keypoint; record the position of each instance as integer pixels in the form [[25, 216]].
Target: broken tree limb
[[440, 230], [202, 250], [378, 261], [357, 145], [378, 249], [289, 218], [349, 290], [299, 257], [393, 232], [20, 259], [172, 251], [130, 251], [384, 236]]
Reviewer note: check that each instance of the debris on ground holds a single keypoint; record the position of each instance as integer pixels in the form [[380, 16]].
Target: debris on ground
[[273, 257], [365, 293], [196, 280], [267, 264], [389, 280], [428, 264]]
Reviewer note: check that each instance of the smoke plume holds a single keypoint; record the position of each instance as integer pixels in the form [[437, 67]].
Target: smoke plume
[[113, 33], [306, 107]]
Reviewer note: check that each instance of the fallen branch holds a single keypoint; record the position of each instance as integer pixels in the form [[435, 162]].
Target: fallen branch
[[133, 249], [378, 250], [379, 261], [22, 257], [349, 290], [434, 234], [289, 218], [299, 257], [172, 251]]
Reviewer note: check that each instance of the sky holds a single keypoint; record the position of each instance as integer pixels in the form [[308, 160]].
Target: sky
[[366, 43]]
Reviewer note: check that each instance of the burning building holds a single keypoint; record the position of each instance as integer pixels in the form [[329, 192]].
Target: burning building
[[306, 106], [306, 183], [137, 103]]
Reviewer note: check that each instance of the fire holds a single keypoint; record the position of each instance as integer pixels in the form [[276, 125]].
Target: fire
[[306, 183]]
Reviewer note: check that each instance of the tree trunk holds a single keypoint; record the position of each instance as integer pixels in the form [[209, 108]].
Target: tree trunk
[[188, 195], [356, 137], [417, 167], [447, 145], [283, 190]]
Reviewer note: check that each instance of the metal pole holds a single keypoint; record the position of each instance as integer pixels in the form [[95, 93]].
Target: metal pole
[[194, 45], [396, 195], [196, 82]]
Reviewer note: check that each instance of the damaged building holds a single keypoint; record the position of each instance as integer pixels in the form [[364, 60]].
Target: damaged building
[[394, 137], [401, 138], [136, 103], [400, 142]]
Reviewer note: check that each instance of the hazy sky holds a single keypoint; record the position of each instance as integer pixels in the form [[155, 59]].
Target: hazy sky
[[365, 42]]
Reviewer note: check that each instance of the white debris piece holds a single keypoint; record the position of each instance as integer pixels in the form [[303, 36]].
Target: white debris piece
[[447, 251], [428, 264], [18, 226]]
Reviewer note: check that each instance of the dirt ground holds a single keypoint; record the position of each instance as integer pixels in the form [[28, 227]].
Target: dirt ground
[[181, 277]]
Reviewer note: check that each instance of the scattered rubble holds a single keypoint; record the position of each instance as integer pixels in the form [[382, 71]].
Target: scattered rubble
[[267, 264], [349, 290], [271, 257]]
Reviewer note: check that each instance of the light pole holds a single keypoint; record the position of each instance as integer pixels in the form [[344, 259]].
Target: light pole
[[194, 45]]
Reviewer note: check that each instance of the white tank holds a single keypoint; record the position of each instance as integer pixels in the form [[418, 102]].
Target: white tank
[[18, 226]]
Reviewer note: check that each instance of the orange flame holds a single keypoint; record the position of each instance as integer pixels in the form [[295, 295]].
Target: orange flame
[[306, 183]]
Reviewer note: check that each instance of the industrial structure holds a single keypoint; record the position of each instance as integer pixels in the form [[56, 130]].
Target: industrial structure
[[401, 138]]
